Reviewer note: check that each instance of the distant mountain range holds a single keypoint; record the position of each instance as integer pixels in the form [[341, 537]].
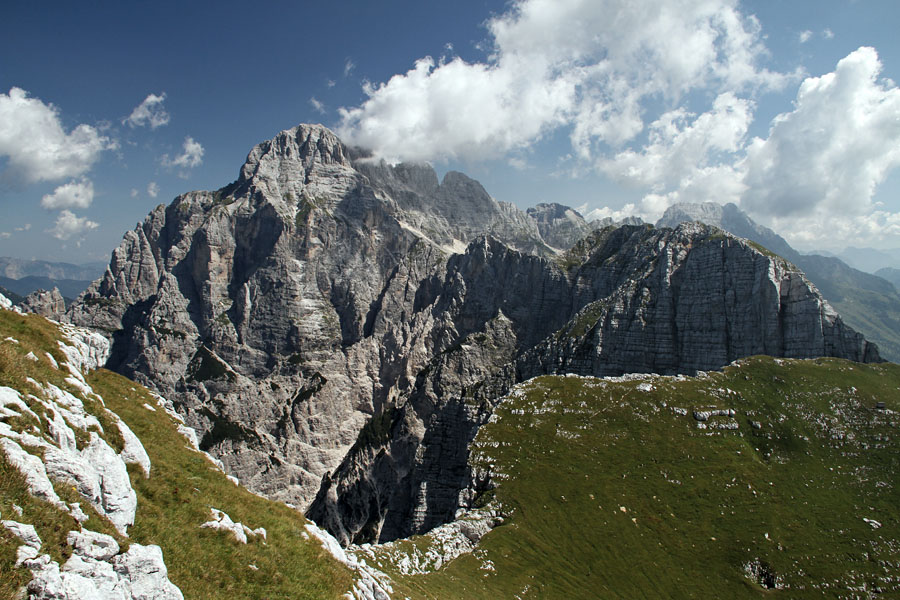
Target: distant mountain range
[[870, 304], [18, 268], [20, 277], [69, 288], [871, 260]]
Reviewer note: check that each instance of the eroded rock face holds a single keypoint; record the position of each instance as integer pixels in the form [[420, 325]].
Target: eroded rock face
[[633, 299], [47, 304], [276, 312], [325, 315]]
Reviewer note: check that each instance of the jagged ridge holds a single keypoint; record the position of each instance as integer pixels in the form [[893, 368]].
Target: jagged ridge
[[321, 292]]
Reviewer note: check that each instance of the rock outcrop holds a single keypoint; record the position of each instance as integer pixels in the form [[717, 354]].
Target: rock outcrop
[[96, 570], [47, 304], [328, 315]]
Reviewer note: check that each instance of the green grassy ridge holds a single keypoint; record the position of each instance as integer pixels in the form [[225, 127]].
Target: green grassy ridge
[[700, 504], [172, 503]]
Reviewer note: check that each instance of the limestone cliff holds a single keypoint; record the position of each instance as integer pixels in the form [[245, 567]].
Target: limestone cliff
[[624, 300], [329, 315]]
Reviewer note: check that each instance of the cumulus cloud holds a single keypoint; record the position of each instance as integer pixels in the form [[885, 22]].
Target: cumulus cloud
[[34, 140], [349, 65], [589, 65], [191, 157], [75, 194], [68, 226], [152, 189], [812, 178], [150, 112], [682, 147], [805, 36], [317, 105], [833, 149]]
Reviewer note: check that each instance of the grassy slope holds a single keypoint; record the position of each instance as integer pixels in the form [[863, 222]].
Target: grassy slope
[[171, 504], [700, 505]]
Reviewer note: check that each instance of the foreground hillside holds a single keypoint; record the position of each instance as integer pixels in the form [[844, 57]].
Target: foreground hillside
[[98, 531], [774, 478]]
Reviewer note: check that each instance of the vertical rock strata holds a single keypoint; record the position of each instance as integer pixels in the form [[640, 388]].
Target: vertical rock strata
[[328, 315]]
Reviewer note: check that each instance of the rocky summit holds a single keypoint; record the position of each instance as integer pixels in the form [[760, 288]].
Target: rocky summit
[[337, 329]]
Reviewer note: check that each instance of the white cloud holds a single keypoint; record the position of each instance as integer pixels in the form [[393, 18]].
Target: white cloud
[[827, 34], [812, 178], [25, 227], [805, 36], [190, 158], [149, 112], [833, 149], [5, 235], [349, 65], [589, 65], [68, 225], [680, 149], [134, 192], [37, 145], [75, 194], [152, 189], [317, 105]]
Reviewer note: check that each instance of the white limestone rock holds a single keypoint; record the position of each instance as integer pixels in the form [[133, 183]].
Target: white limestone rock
[[33, 468], [146, 573], [221, 521], [93, 573], [371, 584], [118, 499], [87, 350], [31, 542], [90, 544], [133, 452]]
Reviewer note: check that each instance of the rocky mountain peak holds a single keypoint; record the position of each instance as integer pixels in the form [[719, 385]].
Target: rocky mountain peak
[[295, 314], [559, 225], [730, 218], [306, 158]]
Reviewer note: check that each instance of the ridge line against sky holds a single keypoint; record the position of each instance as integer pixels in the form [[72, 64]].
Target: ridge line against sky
[[611, 106]]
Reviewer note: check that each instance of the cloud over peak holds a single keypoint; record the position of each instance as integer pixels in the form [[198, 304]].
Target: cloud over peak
[[150, 112], [587, 65], [192, 155], [833, 149], [75, 194], [37, 145], [68, 226]]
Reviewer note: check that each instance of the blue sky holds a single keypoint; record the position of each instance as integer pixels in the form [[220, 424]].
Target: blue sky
[[788, 108]]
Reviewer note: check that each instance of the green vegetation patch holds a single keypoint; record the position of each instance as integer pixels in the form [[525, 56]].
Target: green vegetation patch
[[616, 490]]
